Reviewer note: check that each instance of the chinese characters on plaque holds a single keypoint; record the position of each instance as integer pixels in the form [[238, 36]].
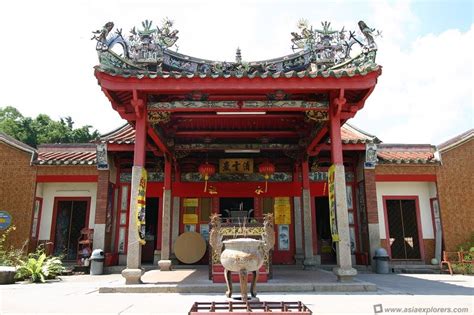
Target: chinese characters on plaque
[[236, 166]]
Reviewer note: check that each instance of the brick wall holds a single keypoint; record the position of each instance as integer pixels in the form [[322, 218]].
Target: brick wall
[[371, 196], [17, 186], [405, 169], [456, 194], [102, 194]]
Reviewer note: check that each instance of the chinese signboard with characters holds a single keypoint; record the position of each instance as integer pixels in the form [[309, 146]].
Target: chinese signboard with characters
[[232, 166], [141, 207], [332, 204], [190, 218], [190, 202]]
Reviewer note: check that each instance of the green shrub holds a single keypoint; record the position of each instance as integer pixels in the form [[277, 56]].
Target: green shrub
[[468, 249], [10, 256], [39, 267]]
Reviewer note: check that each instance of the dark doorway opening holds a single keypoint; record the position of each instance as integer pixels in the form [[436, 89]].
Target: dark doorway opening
[[151, 229], [403, 229], [323, 228], [71, 217], [236, 208]]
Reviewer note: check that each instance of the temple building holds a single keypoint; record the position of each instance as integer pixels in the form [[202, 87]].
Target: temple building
[[240, 139]]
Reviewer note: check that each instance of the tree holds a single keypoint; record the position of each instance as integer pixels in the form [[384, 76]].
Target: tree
[[43, 129]]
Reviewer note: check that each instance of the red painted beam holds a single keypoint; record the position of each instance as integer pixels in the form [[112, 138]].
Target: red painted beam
[[235, 116], [66, 178], [240, 109], [115, 147], [236, 85], [405, 178], [161, 145], [345, 147], [315, 140], [237, 134]]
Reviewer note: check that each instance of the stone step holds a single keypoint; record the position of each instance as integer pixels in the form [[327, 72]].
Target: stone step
[[415, 268]]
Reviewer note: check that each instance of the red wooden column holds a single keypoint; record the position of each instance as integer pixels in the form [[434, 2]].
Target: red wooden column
[[165, 262], [309, 261], [133, 271], [344, 270]]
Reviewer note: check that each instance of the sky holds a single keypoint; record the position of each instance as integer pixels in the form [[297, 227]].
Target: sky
[[425, 93]]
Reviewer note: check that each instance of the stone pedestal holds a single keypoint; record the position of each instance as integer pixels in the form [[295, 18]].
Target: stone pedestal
[[344, 270], [132, 276], [374, 242], [310, 261], [134, 250], [344, 274], [299, 252], [165, 262], [165, 265]]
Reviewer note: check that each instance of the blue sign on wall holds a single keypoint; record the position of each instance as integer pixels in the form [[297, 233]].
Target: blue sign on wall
[[5, 220]]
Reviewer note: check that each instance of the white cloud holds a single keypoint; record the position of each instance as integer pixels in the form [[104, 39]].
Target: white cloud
[[423, 95]]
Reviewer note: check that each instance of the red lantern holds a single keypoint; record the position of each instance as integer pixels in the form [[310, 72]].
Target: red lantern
[[267, 169], [206, 170]]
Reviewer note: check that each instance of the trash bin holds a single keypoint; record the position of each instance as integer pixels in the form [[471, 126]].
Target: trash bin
[[97, 262], [381, 261]]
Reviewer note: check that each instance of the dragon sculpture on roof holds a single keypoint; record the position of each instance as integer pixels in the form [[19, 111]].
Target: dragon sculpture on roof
[[148, 50]]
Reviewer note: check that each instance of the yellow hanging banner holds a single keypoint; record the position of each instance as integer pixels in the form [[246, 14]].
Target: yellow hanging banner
[[190, 202], [190, 218], [141, 207], [332, 204], [282, 210]]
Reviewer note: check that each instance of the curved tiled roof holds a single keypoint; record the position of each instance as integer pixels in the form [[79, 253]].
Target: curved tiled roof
[[351, 134], [338, 73], [66, 154], [407, 154], [122, 135]]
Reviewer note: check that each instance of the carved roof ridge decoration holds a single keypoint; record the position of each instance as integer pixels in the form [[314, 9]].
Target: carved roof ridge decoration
[[321, 53]]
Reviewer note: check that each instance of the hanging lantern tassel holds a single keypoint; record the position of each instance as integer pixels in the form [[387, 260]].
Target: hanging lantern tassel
[[266, 182], [206, 178], [206, 170], [267, 169]]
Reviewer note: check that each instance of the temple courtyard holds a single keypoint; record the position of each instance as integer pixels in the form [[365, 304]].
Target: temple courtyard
[[394, 293]]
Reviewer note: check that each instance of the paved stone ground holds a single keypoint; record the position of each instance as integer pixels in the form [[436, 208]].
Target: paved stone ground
[[79, 294]]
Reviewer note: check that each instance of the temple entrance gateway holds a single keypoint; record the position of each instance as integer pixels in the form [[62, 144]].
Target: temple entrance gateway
[[238, 137]]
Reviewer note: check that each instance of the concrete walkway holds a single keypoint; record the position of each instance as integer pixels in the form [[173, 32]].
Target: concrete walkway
[[80, 295]]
